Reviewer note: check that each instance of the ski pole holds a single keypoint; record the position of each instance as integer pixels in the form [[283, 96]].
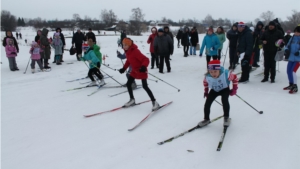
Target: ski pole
[[225, 55], [164, 81], [27, 65], [153, 80], [260, 112], [109, 67], [218, 102], [110, 77]]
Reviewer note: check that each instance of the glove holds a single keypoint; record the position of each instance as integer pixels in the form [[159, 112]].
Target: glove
[[205, 95], [143, 69], [296, 53], [118, 53], [212, 49], [122, 70], [200, 55], [232, 92]]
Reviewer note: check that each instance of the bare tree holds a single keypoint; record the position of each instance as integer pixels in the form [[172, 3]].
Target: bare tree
[[267, 16], [208, 20], [137, 19], [8, 21], [108, 17], [295, 18], [76, 17]]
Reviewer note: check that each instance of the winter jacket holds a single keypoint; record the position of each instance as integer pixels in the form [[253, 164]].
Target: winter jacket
[[90, 35], [194, 38], [179, 34], [37, 37], [151, 40], [163, 45], [245, 42], [257, 34], [136, 60], [78, 38], [45, 44], [35, 53], [232, 36], [222, 39], [185, 38], [271, 36], [98, 53], [169, 33], [123, 35], [12, 37], [210, 41], [11, 50], [294, 46], [287, 39], [57, 47], [90, 55]]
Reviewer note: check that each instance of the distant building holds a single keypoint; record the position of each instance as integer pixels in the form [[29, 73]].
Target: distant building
[[162, 24]]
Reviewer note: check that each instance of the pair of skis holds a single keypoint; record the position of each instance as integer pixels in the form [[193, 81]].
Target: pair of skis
[[197, 127], [122, 107]]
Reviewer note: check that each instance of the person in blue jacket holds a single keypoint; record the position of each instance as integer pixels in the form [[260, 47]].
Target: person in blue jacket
[[123, 56], [293, 48], [212, 43]]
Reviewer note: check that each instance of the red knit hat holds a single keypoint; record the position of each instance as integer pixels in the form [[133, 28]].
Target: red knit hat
[[241, 24], [214, 65]]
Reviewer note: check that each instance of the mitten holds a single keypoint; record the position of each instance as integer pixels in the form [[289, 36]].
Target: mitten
[[205, 95], [143, 69], [118, 53], [296, 53], [233, 91], [122, 70]]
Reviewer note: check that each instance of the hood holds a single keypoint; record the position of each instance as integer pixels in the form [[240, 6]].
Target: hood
[[235, 24], [259, 23], [166, 27], [58, 29], [45, 31], [9, 31], [154, 28], [247, 29], [37, 32]]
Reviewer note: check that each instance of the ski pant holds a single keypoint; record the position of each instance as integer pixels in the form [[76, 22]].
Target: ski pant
[[256, 56], [33, 61], [12, 63], [219, 54], [185, 50], [245, 68], [44, 61], [165, 58], [208, 57], [178, 45], [95, 71], [270, 65], [145, 86], [78, 47], [154, 58], [233, 58], [212, 95], [291, 70], [193, 50]]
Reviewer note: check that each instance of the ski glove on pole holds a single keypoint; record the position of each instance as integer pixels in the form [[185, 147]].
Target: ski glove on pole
[[122, 70], [143, 69]]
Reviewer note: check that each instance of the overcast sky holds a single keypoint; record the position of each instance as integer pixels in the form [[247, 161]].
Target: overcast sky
[[235, 10]]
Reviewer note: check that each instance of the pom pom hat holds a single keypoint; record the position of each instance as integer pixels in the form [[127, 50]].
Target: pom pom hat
[[214, 65], [127, 41], [241, 24]]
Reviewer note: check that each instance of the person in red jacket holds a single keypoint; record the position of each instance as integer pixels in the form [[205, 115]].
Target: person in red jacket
[[150, 41], [138, 63]]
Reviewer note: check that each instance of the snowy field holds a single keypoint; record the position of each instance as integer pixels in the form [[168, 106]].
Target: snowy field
[[44, 128]]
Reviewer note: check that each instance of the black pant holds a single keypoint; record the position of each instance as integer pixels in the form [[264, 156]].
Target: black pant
[[245, 68], [167, 60], [219, 54], [178, 42], [212, 95], [95, 71], [270, 66], [185, 50], [215, 57], [78, 47], [154, 58], [145, 86], [233, 58], [44, 62]]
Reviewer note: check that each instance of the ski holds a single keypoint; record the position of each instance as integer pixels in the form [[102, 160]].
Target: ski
[[188, 131], [144, 119], [78, 88], [222, 137], [90, 81], [123, 92], [115, 109], [77, 79], [97, 89]]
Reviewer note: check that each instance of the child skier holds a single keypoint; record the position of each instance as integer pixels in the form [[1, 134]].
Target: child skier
[[11, 53], [57, 44], [139, 63], [292, 50], [95, 63], [35, 56], [218, 79]]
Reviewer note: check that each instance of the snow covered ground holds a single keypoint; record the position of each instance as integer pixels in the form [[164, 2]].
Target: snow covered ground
[[44, 128]]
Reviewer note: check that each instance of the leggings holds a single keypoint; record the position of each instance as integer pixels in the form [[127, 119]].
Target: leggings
[[95, 71], [145, 86], [291, 70]]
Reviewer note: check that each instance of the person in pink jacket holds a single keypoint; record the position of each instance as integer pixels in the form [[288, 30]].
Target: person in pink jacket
[[11, 53], [35, 56]]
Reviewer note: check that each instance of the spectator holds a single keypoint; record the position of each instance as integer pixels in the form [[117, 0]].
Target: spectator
[[232, 36], [154, 57], [89, 35], [178, 36], [221, 36], [193, 41], [78, 39]]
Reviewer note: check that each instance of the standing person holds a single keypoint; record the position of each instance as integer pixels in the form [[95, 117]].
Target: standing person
[[139, 63], [178, 36], [194, 41], [211, 43], [62, 38], [232, 36], [286, 40], [163, 47], [154, 57], [78, 39], [8, 34], [37, 37], [257, 34], [17, 35], [45, 44], [57, 44], [11, 53], [185, 41], [221, 36], [218, 80], [20, 35], [167, 31], [35, 56], [269, 38], [123, 35], [293, 48], [91, 34], [244, 50]]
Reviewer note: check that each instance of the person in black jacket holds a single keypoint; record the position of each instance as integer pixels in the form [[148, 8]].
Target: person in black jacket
[[123, 35], [269, 38], [62, 38], [257, 34], [38, 36], [185, 41], [244, 49], [163, 47], [178, 36], [78, 39], [91, 35], [232, 36], [10, 35], [286, 40], [194, 41]]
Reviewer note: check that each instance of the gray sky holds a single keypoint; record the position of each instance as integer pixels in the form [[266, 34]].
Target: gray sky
[[235, 10]]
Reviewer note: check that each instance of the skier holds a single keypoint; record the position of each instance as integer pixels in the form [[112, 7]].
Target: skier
[[221, 36], [35, 56], [57, 44], [218, 79], [292, 49], [154, 56], [139, 63]]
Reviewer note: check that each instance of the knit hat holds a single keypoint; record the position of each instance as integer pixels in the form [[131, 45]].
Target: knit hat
[[160, 30], [297, 29], [241, 24], [127, 41], [272, 23], [214, 65]]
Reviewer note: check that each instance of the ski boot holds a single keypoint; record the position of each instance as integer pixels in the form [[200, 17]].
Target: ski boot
[[93, 83], [130, 103], [203, 123], [155, 105]]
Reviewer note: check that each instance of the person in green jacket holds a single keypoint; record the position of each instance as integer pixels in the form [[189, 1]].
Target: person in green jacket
[[221, 36], [92, 55]]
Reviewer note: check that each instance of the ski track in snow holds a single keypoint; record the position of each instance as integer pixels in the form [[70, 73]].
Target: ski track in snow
[[44, 128]]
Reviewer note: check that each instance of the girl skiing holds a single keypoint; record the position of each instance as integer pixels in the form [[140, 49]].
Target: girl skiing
[[292, 50], [57, 44], [35, 56], [11, 53], [218, 79], [139, 63]]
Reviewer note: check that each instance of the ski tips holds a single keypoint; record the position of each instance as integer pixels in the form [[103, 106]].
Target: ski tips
[[261, 112]]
